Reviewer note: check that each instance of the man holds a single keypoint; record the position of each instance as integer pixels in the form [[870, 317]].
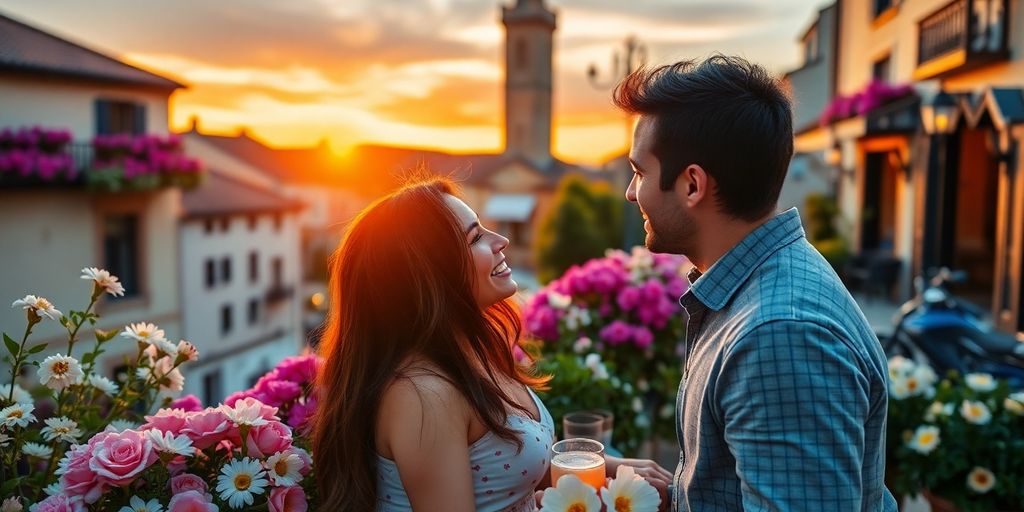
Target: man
[[783, 400]]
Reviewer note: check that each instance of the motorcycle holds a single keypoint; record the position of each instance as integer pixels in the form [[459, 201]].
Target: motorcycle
[[949, 333]]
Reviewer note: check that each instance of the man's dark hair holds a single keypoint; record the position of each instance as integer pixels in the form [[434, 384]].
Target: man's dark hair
[[725, 114]]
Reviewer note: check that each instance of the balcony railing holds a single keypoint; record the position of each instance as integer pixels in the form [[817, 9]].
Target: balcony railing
[[960, 36]]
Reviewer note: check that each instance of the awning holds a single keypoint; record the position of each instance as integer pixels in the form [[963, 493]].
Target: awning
[[510, 207]]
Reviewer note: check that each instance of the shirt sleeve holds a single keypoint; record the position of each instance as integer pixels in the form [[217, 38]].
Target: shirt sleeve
[[792, 401]]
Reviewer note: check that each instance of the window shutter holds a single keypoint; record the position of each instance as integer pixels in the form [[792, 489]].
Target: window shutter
[[139, 122], [102, 117]]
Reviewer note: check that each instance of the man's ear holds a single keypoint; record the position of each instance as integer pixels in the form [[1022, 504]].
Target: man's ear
[[693, 185]]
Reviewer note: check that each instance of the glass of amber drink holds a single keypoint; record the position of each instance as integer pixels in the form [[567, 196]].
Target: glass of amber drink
[[581, 457]]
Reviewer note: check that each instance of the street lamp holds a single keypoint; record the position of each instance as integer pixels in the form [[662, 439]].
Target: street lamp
[[939, 115], [939, 119]]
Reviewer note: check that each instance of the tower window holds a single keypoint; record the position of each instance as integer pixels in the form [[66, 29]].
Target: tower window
[[522, 58]]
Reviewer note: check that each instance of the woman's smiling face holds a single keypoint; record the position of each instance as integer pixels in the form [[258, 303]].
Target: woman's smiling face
[[492, 277]]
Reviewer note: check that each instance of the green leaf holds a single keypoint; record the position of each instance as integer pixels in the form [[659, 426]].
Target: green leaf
[[37, 349], [12, 346]]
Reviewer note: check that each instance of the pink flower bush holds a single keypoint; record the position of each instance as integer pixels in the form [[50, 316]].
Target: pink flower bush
[[289, 388], [36, 152], [190, 501], [288, 499], [142, 160], [874, 95]]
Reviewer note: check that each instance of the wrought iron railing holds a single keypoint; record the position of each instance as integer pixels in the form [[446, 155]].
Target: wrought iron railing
[[972, 31]]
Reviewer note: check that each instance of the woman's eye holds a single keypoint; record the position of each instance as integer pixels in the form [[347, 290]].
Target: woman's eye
[[476, 238]]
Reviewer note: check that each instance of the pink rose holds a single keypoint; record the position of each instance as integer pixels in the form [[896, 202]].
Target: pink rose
[[166, 420], [188, 482], [190, 501], [63, 503], [307, 461], [75, 476], [287, 499], [277, 392], [266, 440], [119, 457], [234, 397], [301, 413], [206, 428], [188, 403]]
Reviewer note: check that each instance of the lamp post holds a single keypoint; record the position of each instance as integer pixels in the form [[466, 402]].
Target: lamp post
[[939, 119], [631, 57]]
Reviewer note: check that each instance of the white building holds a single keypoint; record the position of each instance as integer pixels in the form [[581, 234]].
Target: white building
[[240, 272], [51, 231]]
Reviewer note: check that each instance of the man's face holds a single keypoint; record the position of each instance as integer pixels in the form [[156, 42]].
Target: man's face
[[667, 221]]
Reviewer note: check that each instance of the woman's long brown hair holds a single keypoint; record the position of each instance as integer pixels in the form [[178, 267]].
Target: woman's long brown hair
[[402, 286]]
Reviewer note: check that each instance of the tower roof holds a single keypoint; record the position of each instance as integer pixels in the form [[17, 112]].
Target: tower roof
[[528, 11]]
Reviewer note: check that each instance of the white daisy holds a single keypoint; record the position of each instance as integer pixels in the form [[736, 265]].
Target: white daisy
[[937, 409], [980, 382], [103, 279], [37, 450], [582, 345], [245, 412], [628, 492], [981, 480], [137, 504], [12, 504], [20, 396], [570, 494], [143, 332], [1015, 403], [4, 439], [284, 468], [17, 415], [926, 439], [120, 425], [975, 412], [240, 480], [187, 351], [169, 443], [39, 306], [900, 366], [58, 372], [105, 385], [53, 489], [62, 429]]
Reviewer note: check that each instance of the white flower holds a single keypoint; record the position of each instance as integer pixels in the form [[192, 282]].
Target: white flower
[[582, 345], [975, 412], [900, 366], [245, 412], [159, 348], [137, 504], [144, 332], [570, 494], [17, 415], [938, 409], [637, 405], [576, 317], [37, 450], [58, 372], [167, 442], [926, 439], [898, 387], [120, 426], [284, 468], [593, 362], [1015, 403], [164, 374], [667, 411], [4, 439], [640, 258], [188, 351], [11, 504], [628, 492], [627, 388], [20, 396], [240, 480], [103, 279], [981, 480], [39, 305], [981, 382], [642, 421], [559, 301], [107, 386], [62, 429], [53, 488]]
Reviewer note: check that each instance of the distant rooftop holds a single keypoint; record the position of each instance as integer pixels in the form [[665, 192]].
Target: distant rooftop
[[220, 194], [26, 49]]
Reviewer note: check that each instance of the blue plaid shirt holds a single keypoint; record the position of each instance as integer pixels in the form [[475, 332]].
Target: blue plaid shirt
[[783, 399]]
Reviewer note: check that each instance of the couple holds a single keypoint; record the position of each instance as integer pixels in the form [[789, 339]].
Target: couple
[[783, 400]]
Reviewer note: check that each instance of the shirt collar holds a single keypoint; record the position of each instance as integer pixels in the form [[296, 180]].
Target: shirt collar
[[716, 287]]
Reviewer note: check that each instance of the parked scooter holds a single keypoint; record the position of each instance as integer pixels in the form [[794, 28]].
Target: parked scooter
[[948, 333]]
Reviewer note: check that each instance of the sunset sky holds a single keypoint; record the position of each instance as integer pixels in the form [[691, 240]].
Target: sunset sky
[[424, 73]]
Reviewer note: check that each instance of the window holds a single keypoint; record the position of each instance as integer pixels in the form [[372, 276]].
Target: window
[[254, 267], [211, 273], [212, 387], [114, 117], [278, 272], [880, 70], [225, 223], [225, 270], [207, 226], [121, 250], [522, 58], [811, 45], [225, 319], [254, 311], [880, 6], [253, 220]]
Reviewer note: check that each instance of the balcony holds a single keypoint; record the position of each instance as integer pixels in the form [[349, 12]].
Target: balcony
[[278, 293], [961, 36]]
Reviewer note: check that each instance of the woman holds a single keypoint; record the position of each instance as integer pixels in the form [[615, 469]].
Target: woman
[[424, 407]]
